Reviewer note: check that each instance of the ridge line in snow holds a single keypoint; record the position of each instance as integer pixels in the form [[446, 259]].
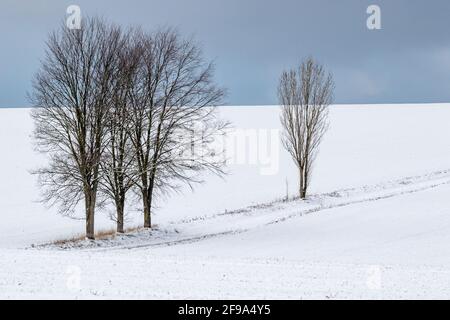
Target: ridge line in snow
[[257, 216]]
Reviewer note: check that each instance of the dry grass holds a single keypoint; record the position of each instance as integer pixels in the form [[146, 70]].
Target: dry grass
[[106, 234], [62, 242]]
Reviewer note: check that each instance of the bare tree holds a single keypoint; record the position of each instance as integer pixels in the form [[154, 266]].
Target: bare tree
[[119, 157], [72, 96], [304, 95], [173, 94]]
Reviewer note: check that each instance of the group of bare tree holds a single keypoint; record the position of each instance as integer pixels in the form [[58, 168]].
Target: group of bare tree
[[119, 111], [304, 95]]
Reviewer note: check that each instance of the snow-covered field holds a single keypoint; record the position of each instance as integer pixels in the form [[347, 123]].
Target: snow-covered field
[[377, 223]]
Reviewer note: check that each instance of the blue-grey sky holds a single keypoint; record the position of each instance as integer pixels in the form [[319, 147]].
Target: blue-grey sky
[[252, 41]]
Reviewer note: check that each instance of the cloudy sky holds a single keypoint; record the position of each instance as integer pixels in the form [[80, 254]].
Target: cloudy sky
[[252, 41]]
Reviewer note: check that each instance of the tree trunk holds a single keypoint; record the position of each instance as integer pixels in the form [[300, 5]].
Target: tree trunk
[[301, 189], [120, 204], [305, 183], [147, 217], [148, 204], [302, 193], [90, 214]]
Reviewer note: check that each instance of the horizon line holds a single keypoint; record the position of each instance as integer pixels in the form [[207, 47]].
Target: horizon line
[[277, 105]]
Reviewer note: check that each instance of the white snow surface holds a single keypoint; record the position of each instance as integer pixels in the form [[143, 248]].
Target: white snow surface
[[376, 224]]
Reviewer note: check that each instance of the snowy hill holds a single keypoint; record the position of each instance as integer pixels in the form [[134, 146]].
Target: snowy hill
[[377, 224]]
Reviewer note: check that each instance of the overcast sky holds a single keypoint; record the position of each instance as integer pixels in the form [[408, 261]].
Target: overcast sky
[[252, 41]]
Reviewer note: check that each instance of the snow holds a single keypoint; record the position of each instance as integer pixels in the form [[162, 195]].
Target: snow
[[376, 224]]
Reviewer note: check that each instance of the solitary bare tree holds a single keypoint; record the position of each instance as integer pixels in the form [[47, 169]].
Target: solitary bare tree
[[173, 93], [72, 96], [304, 95]]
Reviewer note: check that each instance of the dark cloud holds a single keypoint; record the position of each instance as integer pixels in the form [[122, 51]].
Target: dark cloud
[[252, 41]]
